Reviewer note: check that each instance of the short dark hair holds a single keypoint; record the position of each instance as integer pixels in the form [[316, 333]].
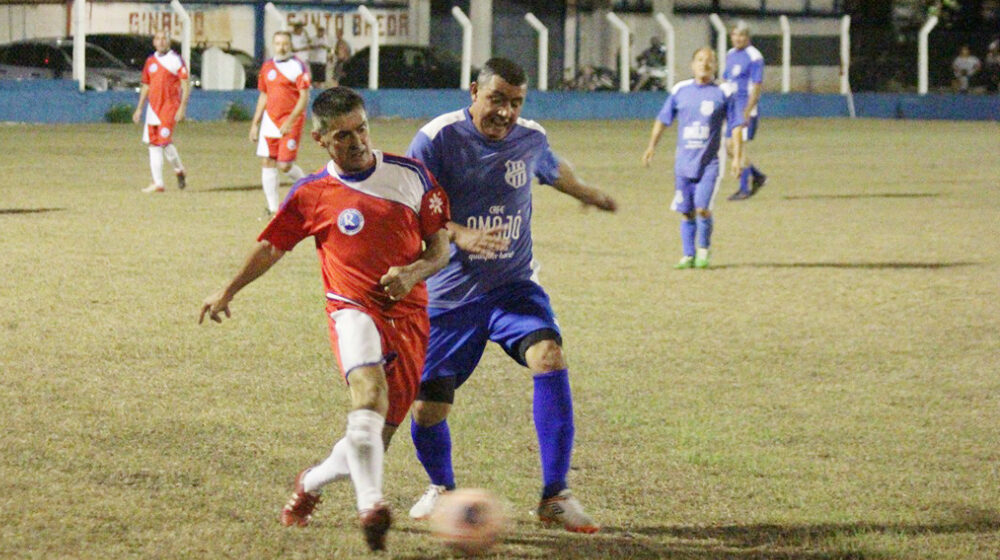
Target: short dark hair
[[510, 71], [332, 103]]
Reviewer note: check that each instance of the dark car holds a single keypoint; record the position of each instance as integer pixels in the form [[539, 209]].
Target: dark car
[[405, 66], [53, 59], [133, 50]]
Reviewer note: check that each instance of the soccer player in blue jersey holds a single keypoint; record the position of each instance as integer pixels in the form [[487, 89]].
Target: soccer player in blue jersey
[[700, 107], [744, 69], [485, 158]]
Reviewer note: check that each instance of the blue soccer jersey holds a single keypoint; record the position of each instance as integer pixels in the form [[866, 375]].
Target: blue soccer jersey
[[744, 67], [700, 110], [489, 184]]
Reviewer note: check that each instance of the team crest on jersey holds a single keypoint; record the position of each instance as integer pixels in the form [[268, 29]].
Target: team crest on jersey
[[707, 107], [272, 75], [517, 174], [164, 132], [350, 221], [435, 203], [736, 70], [153, 67], [292, 144]]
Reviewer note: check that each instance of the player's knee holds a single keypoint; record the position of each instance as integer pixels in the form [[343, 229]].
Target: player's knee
[[284, 166], [545, 356], [429, 413], [369, 389], [704, 213]]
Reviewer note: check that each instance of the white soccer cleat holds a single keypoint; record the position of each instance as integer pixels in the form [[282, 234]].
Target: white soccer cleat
[[425, 505], [153, 188], [565, 510]]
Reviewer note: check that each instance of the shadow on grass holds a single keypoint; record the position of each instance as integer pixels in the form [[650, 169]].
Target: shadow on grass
[[14, 211], [857, 266], [234, 188], [859, 195], [824, 541]]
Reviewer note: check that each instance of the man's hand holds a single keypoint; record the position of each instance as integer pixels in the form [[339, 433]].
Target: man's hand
[[137, 115], [647, 157], [213, 305], [485, 242], [599, 199], [286, 127], [397, 282], [254, 131], [180, 114]]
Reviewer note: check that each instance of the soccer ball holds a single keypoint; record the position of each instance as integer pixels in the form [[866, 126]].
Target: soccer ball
[[468, 520]]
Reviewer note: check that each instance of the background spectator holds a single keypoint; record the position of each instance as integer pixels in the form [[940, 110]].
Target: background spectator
[[318, 53], [965, 66], [300, 41], [991, 68]]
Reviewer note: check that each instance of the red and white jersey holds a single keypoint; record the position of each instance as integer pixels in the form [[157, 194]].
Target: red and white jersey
[[163, 75], [281, 81], [363, 224]]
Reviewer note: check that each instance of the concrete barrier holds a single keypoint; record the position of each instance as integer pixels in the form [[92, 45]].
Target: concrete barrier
[[58, 101]]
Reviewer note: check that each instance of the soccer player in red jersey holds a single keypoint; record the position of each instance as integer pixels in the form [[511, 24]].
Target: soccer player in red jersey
[[165, 84], [378, 222], [284, 83]]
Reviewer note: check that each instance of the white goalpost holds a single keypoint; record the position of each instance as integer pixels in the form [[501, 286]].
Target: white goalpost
[[466, 24], [80, 43]]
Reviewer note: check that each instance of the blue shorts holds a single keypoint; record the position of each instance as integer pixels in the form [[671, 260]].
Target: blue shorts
[[507, 315], [735, 118], [696, 193]]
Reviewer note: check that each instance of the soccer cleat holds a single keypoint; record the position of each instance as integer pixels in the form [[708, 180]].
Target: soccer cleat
[[739, 195], [758, 183], [566, 510], [701, 260], [375, 523], [685, 262], [425, 505], [153, 188], [181, 180], [300, 506]]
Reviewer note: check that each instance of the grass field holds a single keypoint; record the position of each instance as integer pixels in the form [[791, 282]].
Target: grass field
[[828, 389]]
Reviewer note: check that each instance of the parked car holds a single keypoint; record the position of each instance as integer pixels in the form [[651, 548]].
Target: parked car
[[133, 50], [53, 59], [405, 66]]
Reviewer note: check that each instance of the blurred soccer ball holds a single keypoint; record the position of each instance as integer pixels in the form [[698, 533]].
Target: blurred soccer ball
[[468, 520]]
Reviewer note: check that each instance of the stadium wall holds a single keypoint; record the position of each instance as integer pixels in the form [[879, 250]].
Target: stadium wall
[[58, 101]]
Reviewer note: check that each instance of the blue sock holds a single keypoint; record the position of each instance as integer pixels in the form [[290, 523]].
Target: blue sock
[[704, 228], [745, 180], [433, 445], [552, 409], [687, 237], [756, 172]]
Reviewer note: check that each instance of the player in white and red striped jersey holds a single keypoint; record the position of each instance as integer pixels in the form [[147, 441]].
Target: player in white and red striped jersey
[[284, 83], [166, 85], [378, 224]]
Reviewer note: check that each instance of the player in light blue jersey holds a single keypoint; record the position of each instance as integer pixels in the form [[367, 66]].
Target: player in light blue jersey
[[745, 70], [700, 107], [485, 157]]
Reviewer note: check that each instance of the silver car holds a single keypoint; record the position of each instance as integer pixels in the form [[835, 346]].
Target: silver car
[[33, 59]]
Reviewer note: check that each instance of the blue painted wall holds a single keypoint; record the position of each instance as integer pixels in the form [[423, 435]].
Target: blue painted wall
[[58, 101]]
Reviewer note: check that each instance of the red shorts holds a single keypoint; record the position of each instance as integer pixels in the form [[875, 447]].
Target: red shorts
[[282, 149], [359, 338], [161, 134]]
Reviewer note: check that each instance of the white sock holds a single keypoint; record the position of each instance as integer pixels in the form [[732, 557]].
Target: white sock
[[156, 164], [331, 469], [173, 157], [295, 173], [365, 455], [269, 178]]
